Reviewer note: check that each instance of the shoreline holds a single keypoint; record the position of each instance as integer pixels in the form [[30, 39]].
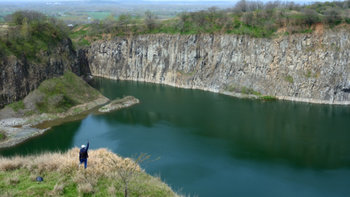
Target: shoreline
[[233, 94], [18, 130]]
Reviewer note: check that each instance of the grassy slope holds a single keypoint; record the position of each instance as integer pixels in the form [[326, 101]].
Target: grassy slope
[[64, 92], [57, 95], [63, 177]]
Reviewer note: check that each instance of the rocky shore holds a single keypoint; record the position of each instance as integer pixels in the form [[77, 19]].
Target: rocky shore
[[117, 104], [18, 130]]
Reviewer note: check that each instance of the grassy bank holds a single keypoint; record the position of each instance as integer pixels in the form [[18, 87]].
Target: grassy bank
[[62, 93], [54, 95], [62, 177], [55, 101]]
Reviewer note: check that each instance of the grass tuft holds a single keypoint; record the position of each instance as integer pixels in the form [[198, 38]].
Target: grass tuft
[[16, 106], [2, 136], [268, 98], [289, 79], [86, 188], [13, 180]]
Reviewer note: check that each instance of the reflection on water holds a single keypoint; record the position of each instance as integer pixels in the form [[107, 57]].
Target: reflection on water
[[302, 134], [215, 145]]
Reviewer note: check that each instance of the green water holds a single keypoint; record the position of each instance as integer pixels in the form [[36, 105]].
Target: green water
[[215, 145]]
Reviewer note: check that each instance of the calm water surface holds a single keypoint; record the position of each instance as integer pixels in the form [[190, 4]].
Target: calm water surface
[[216, 145]]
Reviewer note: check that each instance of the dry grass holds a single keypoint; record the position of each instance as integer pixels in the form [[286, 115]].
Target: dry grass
[[98, 163], [62, 173], [58, 189], [111, 190], [13, 180], [85, 188]]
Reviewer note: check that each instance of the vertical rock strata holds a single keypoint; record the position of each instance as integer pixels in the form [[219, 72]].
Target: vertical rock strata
[[19, 76], [304, 67]]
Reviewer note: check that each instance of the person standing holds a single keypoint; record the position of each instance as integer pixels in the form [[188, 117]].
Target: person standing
[[83, 154]]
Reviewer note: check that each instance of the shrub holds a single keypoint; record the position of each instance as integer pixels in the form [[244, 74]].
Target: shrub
[[332, 16], [85, 188], [13, 180], [58, 189], [17, 106], [347, 20], [289, 78], [268, 98], [310, 16], [2, 136]]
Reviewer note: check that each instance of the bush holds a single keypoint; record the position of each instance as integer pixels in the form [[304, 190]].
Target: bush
[[310, 16], [332, 16], [17, 106], [347, 20], [86, 188], [2, 136], [289, 79]]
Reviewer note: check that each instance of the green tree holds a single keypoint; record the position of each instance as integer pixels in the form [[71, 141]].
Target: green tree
[[124, 20], [311, 16], [150, 20]]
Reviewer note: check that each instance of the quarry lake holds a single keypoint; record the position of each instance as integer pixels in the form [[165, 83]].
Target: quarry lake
[[215, 145]]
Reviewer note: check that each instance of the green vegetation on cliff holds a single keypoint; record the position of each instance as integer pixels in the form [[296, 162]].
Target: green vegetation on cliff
[[30, 34], [61, 93], [252, 18], [63, 177], [2, 136], [55, 95]]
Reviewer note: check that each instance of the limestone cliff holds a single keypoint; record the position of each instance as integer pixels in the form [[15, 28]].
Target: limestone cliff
[[19, 76], [304, 67]]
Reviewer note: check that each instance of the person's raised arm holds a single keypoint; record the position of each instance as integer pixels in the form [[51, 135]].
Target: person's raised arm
[[87, 146]]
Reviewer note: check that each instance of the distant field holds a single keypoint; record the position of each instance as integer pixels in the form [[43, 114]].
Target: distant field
[[3, 14], [99, 15], [83, 17], [77, 12]]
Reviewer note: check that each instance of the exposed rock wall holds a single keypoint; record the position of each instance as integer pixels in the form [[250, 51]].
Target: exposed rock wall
[[19, 76], [304, 67]]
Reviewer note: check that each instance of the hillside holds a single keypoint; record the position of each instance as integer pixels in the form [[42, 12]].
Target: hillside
[[55, 95], [33, 48], [63, 177], [55, 101]]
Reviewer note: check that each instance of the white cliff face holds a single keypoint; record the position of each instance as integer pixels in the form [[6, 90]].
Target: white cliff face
[[304, 67]]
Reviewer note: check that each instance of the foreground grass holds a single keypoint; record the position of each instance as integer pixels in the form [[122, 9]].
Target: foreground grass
[[62, 177]]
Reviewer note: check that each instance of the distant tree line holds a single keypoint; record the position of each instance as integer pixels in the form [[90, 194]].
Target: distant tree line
[[31, 32], [253, 18]]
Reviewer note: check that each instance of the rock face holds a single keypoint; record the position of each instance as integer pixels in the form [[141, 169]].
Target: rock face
[[303, 67], [19, 76]]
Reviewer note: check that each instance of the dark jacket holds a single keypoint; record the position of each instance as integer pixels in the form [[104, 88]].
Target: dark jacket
[[83, 154]]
